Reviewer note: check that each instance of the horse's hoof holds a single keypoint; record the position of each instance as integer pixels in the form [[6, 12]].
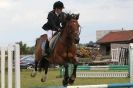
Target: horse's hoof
[[43, 80], [33, 74], [65, 82], [71, 81], [39, 70]]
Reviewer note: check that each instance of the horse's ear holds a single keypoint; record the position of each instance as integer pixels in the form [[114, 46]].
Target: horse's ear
[[77, 16], [68, 17]]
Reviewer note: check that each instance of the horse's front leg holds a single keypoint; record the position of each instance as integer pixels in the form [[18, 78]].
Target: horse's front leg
[[73, 76], [66, 75]]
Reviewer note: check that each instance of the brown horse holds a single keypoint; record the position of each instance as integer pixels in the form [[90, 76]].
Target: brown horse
[[64, 51]]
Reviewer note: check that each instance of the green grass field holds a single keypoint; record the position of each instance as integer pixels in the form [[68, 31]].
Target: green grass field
[[28, 82]]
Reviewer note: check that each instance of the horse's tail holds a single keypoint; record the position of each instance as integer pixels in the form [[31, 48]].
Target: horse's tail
[[36, 41]]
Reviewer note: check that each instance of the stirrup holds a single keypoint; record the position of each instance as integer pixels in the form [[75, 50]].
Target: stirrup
[[45, 54], [46, 57]]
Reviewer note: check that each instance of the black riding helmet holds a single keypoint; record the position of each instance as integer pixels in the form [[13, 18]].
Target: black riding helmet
[[58, 5]]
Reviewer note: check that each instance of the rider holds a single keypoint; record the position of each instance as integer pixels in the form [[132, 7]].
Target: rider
[[54, 23]]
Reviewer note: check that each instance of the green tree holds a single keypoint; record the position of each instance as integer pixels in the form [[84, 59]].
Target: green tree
[[24, 49]]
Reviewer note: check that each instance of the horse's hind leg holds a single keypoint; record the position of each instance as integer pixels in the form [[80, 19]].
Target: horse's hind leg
[[44, 77], [34, 72], [45, 66], [73, 76]]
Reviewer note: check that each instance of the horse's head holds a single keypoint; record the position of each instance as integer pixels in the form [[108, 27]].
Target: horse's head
[[73, 26]]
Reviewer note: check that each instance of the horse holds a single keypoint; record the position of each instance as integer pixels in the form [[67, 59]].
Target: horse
[[64, 51]]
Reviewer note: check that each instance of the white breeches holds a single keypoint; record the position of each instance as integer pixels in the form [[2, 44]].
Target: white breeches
[[49, 34]]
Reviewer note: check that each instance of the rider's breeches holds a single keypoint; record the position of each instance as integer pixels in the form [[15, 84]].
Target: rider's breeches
[[50, 34]]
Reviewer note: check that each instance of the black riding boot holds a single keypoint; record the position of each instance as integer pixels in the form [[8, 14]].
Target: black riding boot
[[47, 51]]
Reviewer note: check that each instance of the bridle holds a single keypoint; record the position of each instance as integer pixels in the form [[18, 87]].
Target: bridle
[[71, 33], [75, 32]]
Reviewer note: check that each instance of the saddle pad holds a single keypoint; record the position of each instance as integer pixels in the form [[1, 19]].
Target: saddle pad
[[53, 41]]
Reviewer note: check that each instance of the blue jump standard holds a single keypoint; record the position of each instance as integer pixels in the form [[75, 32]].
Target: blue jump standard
[[120, 85]]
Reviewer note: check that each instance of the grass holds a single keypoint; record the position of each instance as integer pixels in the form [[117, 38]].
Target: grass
[[29, 82]]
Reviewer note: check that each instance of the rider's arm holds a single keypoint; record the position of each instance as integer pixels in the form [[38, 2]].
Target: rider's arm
[[52, 22], [62, 19]]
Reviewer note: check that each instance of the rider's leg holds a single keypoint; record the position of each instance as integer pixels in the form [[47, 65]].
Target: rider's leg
[[45, 44], [47, 47], [43, 48]]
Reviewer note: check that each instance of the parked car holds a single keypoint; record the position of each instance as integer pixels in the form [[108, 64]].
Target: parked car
[[27, 62]]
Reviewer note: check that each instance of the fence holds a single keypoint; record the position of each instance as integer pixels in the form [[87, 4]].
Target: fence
[[101, 74], [129, 85], [104, 67], [119, 56], [83, 71], [12, 51]]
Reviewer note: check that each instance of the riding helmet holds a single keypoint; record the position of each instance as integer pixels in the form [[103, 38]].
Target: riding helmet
[[58, 5]]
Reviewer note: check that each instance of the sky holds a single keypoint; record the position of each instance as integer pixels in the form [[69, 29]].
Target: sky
[[22, 20]]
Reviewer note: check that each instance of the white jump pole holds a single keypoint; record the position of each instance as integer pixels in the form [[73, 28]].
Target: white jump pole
[[131, 61], [10, 61], [2, 67], [17, 66]]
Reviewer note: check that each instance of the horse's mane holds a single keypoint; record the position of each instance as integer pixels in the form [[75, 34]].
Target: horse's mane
[[68, 17]]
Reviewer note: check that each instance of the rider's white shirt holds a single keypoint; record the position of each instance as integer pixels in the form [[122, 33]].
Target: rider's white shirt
[[49, 34]]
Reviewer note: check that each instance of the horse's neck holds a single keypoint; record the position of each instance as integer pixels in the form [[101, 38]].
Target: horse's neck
[[66, 38]]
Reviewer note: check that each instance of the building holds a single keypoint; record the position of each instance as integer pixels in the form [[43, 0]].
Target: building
[[102, 33], [117, 39]]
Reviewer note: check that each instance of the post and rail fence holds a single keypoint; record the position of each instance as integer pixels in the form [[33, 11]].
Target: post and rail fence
[[12, 55]]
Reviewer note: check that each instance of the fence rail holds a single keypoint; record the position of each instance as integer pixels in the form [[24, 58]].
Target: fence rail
[[102, 74]]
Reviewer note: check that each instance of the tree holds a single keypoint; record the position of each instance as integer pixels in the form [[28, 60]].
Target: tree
[[24, 49], [90, 44]]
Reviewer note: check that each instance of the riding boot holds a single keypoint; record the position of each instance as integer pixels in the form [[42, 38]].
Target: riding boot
[[47, 51]]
